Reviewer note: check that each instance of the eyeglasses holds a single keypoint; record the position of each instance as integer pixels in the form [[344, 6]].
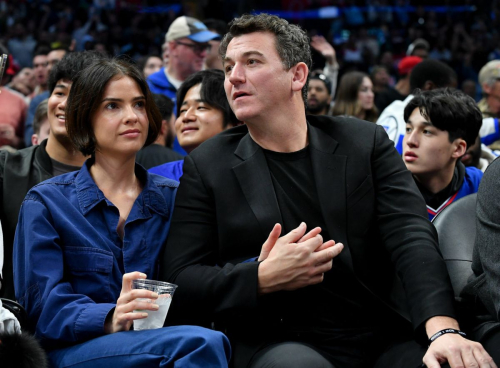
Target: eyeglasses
[[198, 48]]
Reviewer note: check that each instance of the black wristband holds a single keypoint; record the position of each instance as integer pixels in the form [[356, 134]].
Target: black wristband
[[444, 332]]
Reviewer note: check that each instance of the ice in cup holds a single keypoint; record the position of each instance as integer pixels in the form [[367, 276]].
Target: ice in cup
[[165, 291]]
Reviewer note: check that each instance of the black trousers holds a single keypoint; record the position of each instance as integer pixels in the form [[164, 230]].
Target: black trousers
[[294, 354], [491, 343], [407, 354]]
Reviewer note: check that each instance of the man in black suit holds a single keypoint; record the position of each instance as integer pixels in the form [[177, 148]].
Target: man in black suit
[[306, 300]]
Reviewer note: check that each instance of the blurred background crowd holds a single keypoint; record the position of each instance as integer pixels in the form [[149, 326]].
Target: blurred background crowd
[[374, 37], [364, 33]]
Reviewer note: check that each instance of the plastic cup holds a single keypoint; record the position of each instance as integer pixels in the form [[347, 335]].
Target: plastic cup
[[165, 291]]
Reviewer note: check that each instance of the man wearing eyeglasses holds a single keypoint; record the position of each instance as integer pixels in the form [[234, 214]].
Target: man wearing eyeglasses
[[187, 39], [187, 48]]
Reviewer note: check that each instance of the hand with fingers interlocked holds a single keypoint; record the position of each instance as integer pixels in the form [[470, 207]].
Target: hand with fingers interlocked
[[295, 260]]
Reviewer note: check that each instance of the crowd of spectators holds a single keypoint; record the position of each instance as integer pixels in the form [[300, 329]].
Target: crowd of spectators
[[364, 36], [379, 61]]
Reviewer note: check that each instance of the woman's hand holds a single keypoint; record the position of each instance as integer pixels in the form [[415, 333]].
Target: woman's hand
[[123, 314]]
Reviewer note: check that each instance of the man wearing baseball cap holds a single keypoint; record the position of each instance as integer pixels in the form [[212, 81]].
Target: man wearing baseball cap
[[187, 40], [489, 78], [318, 94], [419, 47], [405, 67]]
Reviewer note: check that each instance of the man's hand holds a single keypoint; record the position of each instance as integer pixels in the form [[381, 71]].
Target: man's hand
[[270, 242], [296, 260], [454, 349], [324, 48], [275, 234], [458, 352]]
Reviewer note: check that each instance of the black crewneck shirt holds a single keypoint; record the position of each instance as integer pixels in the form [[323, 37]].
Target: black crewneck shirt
[[340, 302]]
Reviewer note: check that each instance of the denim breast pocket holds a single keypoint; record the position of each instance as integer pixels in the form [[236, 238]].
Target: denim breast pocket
[[89, 272]]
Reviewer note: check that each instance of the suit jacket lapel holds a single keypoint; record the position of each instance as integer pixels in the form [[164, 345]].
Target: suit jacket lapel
[[255, 182], [329, 175]]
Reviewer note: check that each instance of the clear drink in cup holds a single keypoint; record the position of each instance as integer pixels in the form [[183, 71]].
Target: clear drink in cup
[[165, 291]]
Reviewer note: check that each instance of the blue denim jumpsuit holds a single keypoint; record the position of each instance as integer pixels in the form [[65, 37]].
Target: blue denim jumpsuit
[[68, 267]]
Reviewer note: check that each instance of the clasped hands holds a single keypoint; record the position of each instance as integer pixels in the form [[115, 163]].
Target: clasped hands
[[295, 260]]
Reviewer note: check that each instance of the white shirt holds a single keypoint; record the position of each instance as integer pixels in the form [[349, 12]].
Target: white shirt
[[392, 119]]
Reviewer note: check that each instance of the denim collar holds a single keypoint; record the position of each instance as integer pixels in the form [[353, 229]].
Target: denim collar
[[89, 194]]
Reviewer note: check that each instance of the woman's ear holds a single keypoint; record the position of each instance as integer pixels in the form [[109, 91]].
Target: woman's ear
[[300, 73]]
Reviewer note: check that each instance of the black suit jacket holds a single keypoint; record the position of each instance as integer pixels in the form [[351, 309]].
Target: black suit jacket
[[226, 208], [19, 172]]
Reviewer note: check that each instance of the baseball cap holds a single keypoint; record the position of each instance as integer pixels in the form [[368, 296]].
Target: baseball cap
[[419, 43], [490, 71], [320, 76], [407, 63], [191, 28]]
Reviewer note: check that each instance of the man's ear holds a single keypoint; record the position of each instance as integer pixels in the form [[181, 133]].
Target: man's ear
[[486, 88], [34, 139], [459, 149], [300, 72]]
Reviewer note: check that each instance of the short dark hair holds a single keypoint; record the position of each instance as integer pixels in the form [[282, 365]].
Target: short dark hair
[[86, 96], [217, 25], [449, 110], [42, 49], [211, 92], [166, 108], [292, 42], [143, 60], [165, 105], [432, 70], [70, 65], [40, 116], [376, 69]]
